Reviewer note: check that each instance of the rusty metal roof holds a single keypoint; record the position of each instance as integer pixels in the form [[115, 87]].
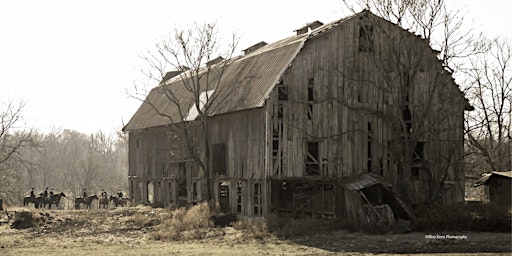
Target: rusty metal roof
[[245, 83], [363, 180]]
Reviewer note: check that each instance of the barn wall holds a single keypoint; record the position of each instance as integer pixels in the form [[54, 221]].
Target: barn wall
[[343, 101]]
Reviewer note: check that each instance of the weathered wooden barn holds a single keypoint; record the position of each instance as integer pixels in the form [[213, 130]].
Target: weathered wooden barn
[[293, 119]]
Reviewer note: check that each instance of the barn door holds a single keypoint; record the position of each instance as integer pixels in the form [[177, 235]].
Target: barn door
[[224, 197]]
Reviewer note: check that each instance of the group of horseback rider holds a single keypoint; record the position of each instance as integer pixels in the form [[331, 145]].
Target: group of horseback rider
[[103, 194], [44, 194]]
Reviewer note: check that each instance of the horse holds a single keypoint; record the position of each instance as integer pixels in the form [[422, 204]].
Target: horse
[[103, 202], [34, 200], [119, 201], [54, 199], [81, 200]]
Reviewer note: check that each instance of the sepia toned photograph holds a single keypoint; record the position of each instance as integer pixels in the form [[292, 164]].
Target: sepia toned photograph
[[335, 127]]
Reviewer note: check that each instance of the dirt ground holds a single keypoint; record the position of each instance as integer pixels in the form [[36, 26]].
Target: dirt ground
[[131, 231]]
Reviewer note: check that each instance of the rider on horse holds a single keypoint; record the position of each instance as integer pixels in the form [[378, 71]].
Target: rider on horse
[[84, 195], [120, 194], [32, 194], [103, 194], [45, 193]]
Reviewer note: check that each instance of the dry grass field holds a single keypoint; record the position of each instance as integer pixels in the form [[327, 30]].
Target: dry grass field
[[148, 231]]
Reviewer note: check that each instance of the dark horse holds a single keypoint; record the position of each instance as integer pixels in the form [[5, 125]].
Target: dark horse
[[103, 202], [54, 199], [34, 200], [119, 201], [81, 200]]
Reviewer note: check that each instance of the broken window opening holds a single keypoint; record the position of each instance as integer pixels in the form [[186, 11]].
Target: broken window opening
[[418, 151], [366, 38], [195, 197], [239, 197], [311, 98], [312, 163], [182, 192], [219, 158], [282, 93], [224, 196], [280, 111], [310, 111], [150, 192], [407, 119], [311, 93], [325, 167], [258, 199], [277, 147], [182, 169]]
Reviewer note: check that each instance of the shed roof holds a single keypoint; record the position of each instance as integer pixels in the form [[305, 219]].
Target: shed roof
[[488, 176], [363, 180]]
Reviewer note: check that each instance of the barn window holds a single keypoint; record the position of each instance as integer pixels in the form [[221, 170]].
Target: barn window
[[282, 92], [224, 196], [182, 192], [280, 111], [418, 151], [239, 206], [277, 150], [182, 169], [311, 98], [366, 38], [258, 199], [407, 119], [312, 163], [195, 194], [219, 158]]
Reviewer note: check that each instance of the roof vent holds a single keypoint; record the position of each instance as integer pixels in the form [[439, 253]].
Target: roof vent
[[214, 61], [254, 47], [174, 73], [307, 27]]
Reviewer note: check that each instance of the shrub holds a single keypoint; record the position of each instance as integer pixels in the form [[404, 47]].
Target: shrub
[[476, 217], [253, 228], [185, 223]]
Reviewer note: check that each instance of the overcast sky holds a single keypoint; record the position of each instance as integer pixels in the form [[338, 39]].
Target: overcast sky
[[72, 61]]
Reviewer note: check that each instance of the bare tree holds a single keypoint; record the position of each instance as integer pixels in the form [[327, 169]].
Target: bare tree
[[432, 20], [413, 107], [198, 56], [13, 138], [488, 127]]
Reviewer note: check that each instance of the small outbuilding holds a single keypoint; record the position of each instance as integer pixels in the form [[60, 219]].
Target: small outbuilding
[[499, 187]]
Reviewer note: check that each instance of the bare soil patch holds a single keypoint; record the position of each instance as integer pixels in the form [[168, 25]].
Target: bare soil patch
[[142, 231]]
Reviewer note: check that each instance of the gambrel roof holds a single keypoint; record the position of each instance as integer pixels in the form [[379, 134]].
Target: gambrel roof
[[245, 84]]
